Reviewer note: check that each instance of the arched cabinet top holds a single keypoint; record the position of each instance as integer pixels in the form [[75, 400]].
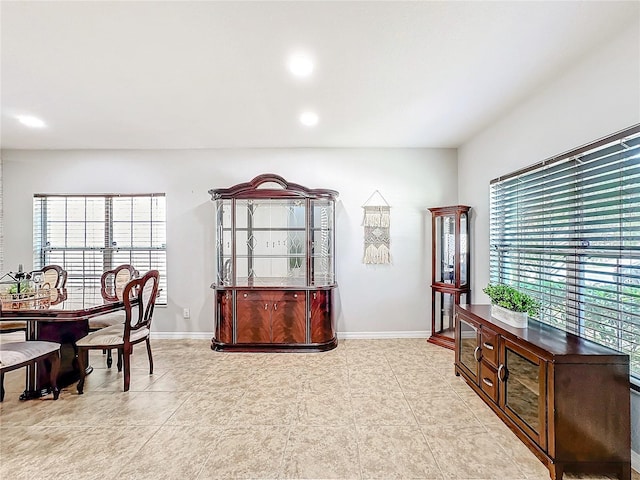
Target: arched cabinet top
[[259, 188]]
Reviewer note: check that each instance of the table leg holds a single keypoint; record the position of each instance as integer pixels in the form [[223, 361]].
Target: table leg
[[65, 333]]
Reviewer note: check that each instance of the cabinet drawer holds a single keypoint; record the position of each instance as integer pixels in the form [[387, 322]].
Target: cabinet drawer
[[489, 380], [489, 345]]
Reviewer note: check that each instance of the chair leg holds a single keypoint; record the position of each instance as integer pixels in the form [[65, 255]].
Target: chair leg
[[83, 372], [55, 368], [119, 360], [109, 359], [150, 356], [127, 370], [1, 386]]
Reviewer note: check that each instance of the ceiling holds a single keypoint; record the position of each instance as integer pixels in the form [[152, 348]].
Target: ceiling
[[204, 74]]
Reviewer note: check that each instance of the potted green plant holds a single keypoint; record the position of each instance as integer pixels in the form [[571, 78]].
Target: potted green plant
[[511, 306]]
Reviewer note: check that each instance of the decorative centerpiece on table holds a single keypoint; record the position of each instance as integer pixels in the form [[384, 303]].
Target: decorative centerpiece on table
[[24, 290], [510, 305]]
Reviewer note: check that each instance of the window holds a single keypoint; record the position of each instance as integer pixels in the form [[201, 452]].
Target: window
[[89, 234], [567, 231]]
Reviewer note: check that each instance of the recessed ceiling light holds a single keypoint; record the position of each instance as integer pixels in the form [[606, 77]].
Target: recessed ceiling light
[[310, 119], [31, 121], [300, 65]]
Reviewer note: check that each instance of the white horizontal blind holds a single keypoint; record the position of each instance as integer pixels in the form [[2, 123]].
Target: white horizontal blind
[[89, 234], [567, 231]]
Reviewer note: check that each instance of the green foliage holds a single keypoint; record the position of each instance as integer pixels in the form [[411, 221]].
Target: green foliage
[[25, 287], [512, 299]]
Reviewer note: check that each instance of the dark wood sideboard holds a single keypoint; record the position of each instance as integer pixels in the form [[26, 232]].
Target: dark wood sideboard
[[566, 398]]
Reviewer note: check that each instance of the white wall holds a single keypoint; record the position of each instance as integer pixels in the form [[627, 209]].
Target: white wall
[[371, 299], [599, 96]]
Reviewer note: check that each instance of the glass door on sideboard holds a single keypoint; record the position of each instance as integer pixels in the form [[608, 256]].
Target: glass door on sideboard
[[468, 349], [523, 377]]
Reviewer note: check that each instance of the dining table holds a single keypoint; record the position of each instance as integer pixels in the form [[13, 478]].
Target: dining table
[[58, 315]]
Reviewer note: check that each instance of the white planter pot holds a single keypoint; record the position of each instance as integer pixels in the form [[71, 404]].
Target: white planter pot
[[514, 319]]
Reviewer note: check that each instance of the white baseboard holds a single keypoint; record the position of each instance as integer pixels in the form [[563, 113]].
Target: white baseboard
[[182, 335], [383, 335], [341, 335], [635, 461]]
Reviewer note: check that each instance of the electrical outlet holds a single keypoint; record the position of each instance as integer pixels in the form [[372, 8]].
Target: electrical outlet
[[186, 313]]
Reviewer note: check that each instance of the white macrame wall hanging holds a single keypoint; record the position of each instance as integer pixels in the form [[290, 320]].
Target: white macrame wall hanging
[[376, 221]]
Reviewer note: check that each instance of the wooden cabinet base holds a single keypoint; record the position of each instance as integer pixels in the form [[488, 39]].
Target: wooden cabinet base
[[442, 341], [273, 347], [274, 320]]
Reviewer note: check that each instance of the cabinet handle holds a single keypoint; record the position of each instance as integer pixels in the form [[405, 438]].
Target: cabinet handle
[[266, 305], [488, 382], [295, 295], [488, 346], [503, 374], [475, 354], [245, 295], [275, 306]]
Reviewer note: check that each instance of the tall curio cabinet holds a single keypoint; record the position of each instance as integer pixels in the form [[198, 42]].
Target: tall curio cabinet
[[450, 270], [275, 267]]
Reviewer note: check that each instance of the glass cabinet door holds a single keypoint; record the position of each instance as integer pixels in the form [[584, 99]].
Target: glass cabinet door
[[322, 243], [464, 250], [468, 346], [523, 394], [443, 311], [224, 242], [270, 242], [445, 249]]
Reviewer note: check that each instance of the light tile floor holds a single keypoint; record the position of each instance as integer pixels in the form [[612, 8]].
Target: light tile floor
[[370, 409]]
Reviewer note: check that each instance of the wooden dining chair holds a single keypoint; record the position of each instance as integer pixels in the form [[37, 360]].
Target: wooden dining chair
[[54, 275], [112, 283], [14, 355], [139, 298]]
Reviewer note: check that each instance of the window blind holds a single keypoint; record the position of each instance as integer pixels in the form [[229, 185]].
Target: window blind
[[89, 234], [567, 232]]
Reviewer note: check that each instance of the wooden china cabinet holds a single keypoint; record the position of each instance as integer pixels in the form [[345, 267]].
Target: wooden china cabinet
[[275, 265], [449, 269]]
